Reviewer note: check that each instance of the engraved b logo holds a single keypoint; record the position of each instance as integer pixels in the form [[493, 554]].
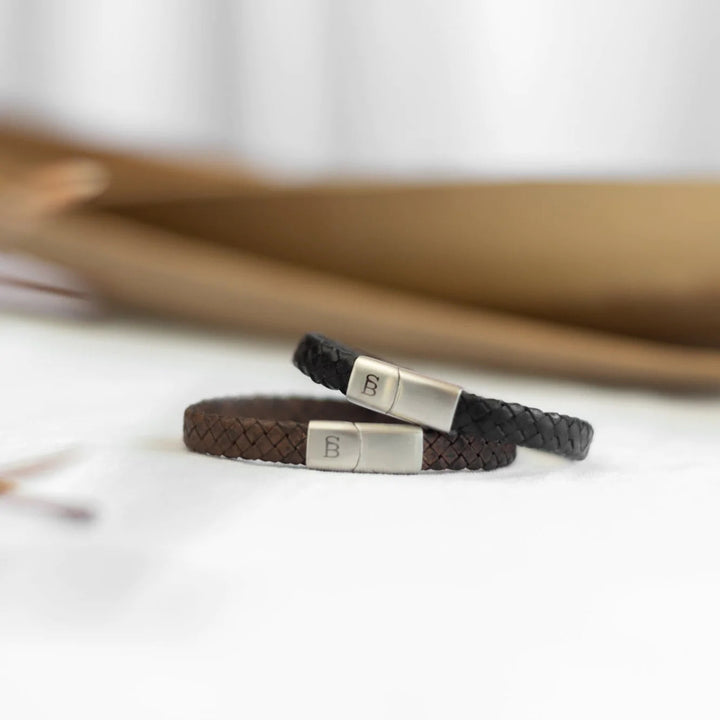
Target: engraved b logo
[[332, 446], [371, 384]]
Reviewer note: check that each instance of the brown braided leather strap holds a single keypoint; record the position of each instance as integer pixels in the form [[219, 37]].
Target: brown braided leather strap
[[275, 429], [330, 363]]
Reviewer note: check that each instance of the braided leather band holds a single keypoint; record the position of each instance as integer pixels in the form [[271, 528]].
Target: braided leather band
[[275, 429], [330, 363]]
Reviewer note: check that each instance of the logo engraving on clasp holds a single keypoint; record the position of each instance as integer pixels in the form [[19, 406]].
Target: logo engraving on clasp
[[332, 446], [371, 385]]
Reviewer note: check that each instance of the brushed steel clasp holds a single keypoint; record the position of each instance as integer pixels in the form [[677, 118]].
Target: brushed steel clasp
[[402, 393], [364, 447]]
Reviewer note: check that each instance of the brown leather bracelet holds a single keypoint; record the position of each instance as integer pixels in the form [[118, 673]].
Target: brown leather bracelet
[[279, 429]]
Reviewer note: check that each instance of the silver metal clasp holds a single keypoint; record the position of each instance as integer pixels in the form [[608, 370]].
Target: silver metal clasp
[[403, 393], [364, 447]]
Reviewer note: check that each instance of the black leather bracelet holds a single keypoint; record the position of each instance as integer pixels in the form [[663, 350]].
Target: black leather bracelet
[[448, 408]]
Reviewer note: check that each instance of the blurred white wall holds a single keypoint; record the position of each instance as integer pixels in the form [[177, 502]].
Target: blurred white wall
[[479, 87]]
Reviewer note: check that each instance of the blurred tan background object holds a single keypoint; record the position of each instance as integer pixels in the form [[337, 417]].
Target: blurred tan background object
[[585, 280], [456, 184]]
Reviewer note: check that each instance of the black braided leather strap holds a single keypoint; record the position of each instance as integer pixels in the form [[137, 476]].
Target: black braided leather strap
[[330, 363], [275, 429]]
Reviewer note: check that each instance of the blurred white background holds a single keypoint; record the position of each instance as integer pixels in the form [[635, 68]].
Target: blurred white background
[[215, 590], [408, 87]]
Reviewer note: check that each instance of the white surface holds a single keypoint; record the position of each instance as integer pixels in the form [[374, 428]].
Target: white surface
[[471, 87], [218, 589]]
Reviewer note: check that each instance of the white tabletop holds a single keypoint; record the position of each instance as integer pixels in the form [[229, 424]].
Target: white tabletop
[[215, 589]]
